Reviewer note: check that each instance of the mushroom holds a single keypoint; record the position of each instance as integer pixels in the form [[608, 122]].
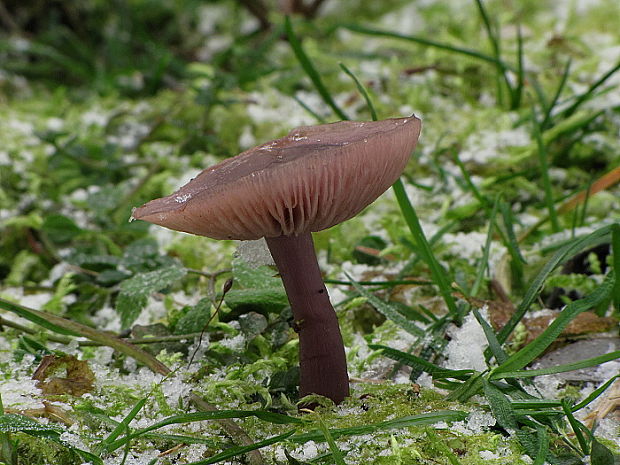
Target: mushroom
[[282, 190]]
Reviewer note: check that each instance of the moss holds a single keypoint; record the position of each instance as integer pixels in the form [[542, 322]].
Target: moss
[[371, 404], [40, 451]]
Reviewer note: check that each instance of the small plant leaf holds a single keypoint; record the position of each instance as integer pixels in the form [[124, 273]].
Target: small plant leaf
[[528, 353], [135, 291], [601, 455]]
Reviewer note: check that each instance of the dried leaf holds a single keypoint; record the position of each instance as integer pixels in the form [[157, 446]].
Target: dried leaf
[[78, 379]]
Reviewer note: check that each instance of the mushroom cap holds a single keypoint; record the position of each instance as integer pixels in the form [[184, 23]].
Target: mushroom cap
[[311, 179]]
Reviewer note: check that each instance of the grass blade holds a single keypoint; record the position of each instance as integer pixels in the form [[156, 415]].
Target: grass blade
[[314, 114], [64, 326], [310, 70], [576, 426], [362, 90], [333, 447], [517, 94], [470, 184], [37, 317], [544, 172], [580, 217], [466, 390], [508, 237], [122, 426], [495, 44], [546, 122], [239, 450], [437, 271], [271, 417], [615, 260], [409, 421], [569, 127], [512, 244], [416, 362], [435, 238], [484, 260], [594, 394], [494, 345], [388, 310], [588, 93], [607, 180], [428, 42], [590, 362], [528, 353], [560, 256]]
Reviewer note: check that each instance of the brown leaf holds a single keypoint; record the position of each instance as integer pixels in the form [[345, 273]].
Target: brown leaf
[[584, 323], [78, 379]]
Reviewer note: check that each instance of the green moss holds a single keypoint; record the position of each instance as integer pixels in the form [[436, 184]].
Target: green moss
[[40, 451], [371, 404]]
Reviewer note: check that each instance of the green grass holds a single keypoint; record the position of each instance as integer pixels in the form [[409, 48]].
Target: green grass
[[95, 122]]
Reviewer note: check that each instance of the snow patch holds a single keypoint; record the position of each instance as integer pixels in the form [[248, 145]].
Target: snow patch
[[466, 349], [254, 253], [482, 147]]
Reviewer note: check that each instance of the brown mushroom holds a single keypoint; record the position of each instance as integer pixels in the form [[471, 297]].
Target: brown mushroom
[[310, 180]]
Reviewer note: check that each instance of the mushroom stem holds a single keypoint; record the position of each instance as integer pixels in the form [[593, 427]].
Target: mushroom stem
[[322, 361]]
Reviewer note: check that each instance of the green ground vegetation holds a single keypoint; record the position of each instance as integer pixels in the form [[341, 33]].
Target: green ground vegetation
[[500, 242]]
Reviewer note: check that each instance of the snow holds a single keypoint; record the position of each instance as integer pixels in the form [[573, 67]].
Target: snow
[[55, 124], [608, 428], [247, 139], [477, 422], [129, 134], [466, 348], [107, 319], [566, 234], [24, 127], [272, 106], [72, 438], [254, 253], [236, 343], [31, 300], [404, 19], [483, 146], [95, 117], [58, 271], [20, 393], [488, 455], [143, 458]]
